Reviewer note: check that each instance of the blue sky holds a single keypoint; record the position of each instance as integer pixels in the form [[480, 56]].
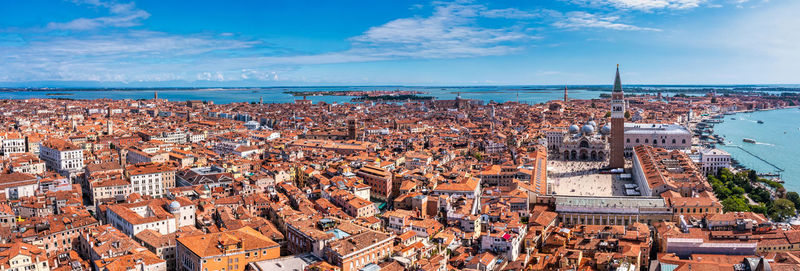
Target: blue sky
[[388, 42]]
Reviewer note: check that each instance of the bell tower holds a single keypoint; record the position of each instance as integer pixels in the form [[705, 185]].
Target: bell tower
[[352, 130], [617, 158]]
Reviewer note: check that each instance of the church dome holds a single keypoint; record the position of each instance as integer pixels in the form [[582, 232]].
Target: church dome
[[174, 206], [573, 129], [593, 123], [588, 129], [606, 129]]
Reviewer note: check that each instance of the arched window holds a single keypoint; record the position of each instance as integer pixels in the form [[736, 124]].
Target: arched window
[[673, 141], [663, 141], [683, 141], [637, 140], [628, 140], [646, 141]]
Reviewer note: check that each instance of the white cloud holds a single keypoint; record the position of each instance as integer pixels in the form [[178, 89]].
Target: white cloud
[[132, 56], [121, 15], [579, 19], [509, 13], [452, 30], [645, 5]]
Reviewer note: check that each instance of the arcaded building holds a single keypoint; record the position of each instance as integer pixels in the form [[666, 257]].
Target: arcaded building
[[665, 136], [611, 210]]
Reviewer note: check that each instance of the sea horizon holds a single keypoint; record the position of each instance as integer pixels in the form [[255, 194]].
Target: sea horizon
[[608, 86]]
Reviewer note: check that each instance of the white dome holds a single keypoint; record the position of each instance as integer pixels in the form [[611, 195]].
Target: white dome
[[593, 124], [175, 205], [574, 129], [587, 129]]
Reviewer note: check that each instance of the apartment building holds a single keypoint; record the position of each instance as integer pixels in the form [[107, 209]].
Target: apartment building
[[62, 156], [359, 250], [22, 256], [151, 179], [230, 250], [16, 185], [379, 180], [712, 160], [27, 163], [161, 214], [11, 143]]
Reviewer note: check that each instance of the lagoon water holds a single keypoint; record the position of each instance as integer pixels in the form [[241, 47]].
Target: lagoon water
[[527, 94], [778, 142]]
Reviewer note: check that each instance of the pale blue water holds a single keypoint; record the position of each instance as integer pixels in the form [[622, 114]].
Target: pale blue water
[[526, 94], [778, 142], [531, 94]]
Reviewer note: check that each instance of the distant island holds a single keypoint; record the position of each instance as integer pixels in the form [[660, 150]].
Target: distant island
[[360, 93], [392, 98]]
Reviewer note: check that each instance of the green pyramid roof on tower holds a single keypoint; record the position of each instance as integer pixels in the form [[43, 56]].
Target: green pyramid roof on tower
[[617, 82]]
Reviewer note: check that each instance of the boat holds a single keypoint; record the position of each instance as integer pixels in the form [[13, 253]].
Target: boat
[[733, 118], [747, 140], [760, 122]]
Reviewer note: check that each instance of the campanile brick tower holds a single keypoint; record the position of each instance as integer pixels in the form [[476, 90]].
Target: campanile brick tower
[[617, 158]]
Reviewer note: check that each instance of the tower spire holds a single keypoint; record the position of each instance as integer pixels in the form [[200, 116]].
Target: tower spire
[[617, 82]]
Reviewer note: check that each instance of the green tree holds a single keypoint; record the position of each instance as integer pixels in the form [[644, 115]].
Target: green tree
[[737, 191], [794, 197], [760, 195], [735, 204], [752, 175], [782, 208], [627, 114], [761, 209], [722, 191]]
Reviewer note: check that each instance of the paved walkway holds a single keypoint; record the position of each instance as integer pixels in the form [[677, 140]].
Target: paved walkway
[[579, 178]]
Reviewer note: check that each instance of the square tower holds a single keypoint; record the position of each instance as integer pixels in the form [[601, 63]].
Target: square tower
[[617, 157]]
